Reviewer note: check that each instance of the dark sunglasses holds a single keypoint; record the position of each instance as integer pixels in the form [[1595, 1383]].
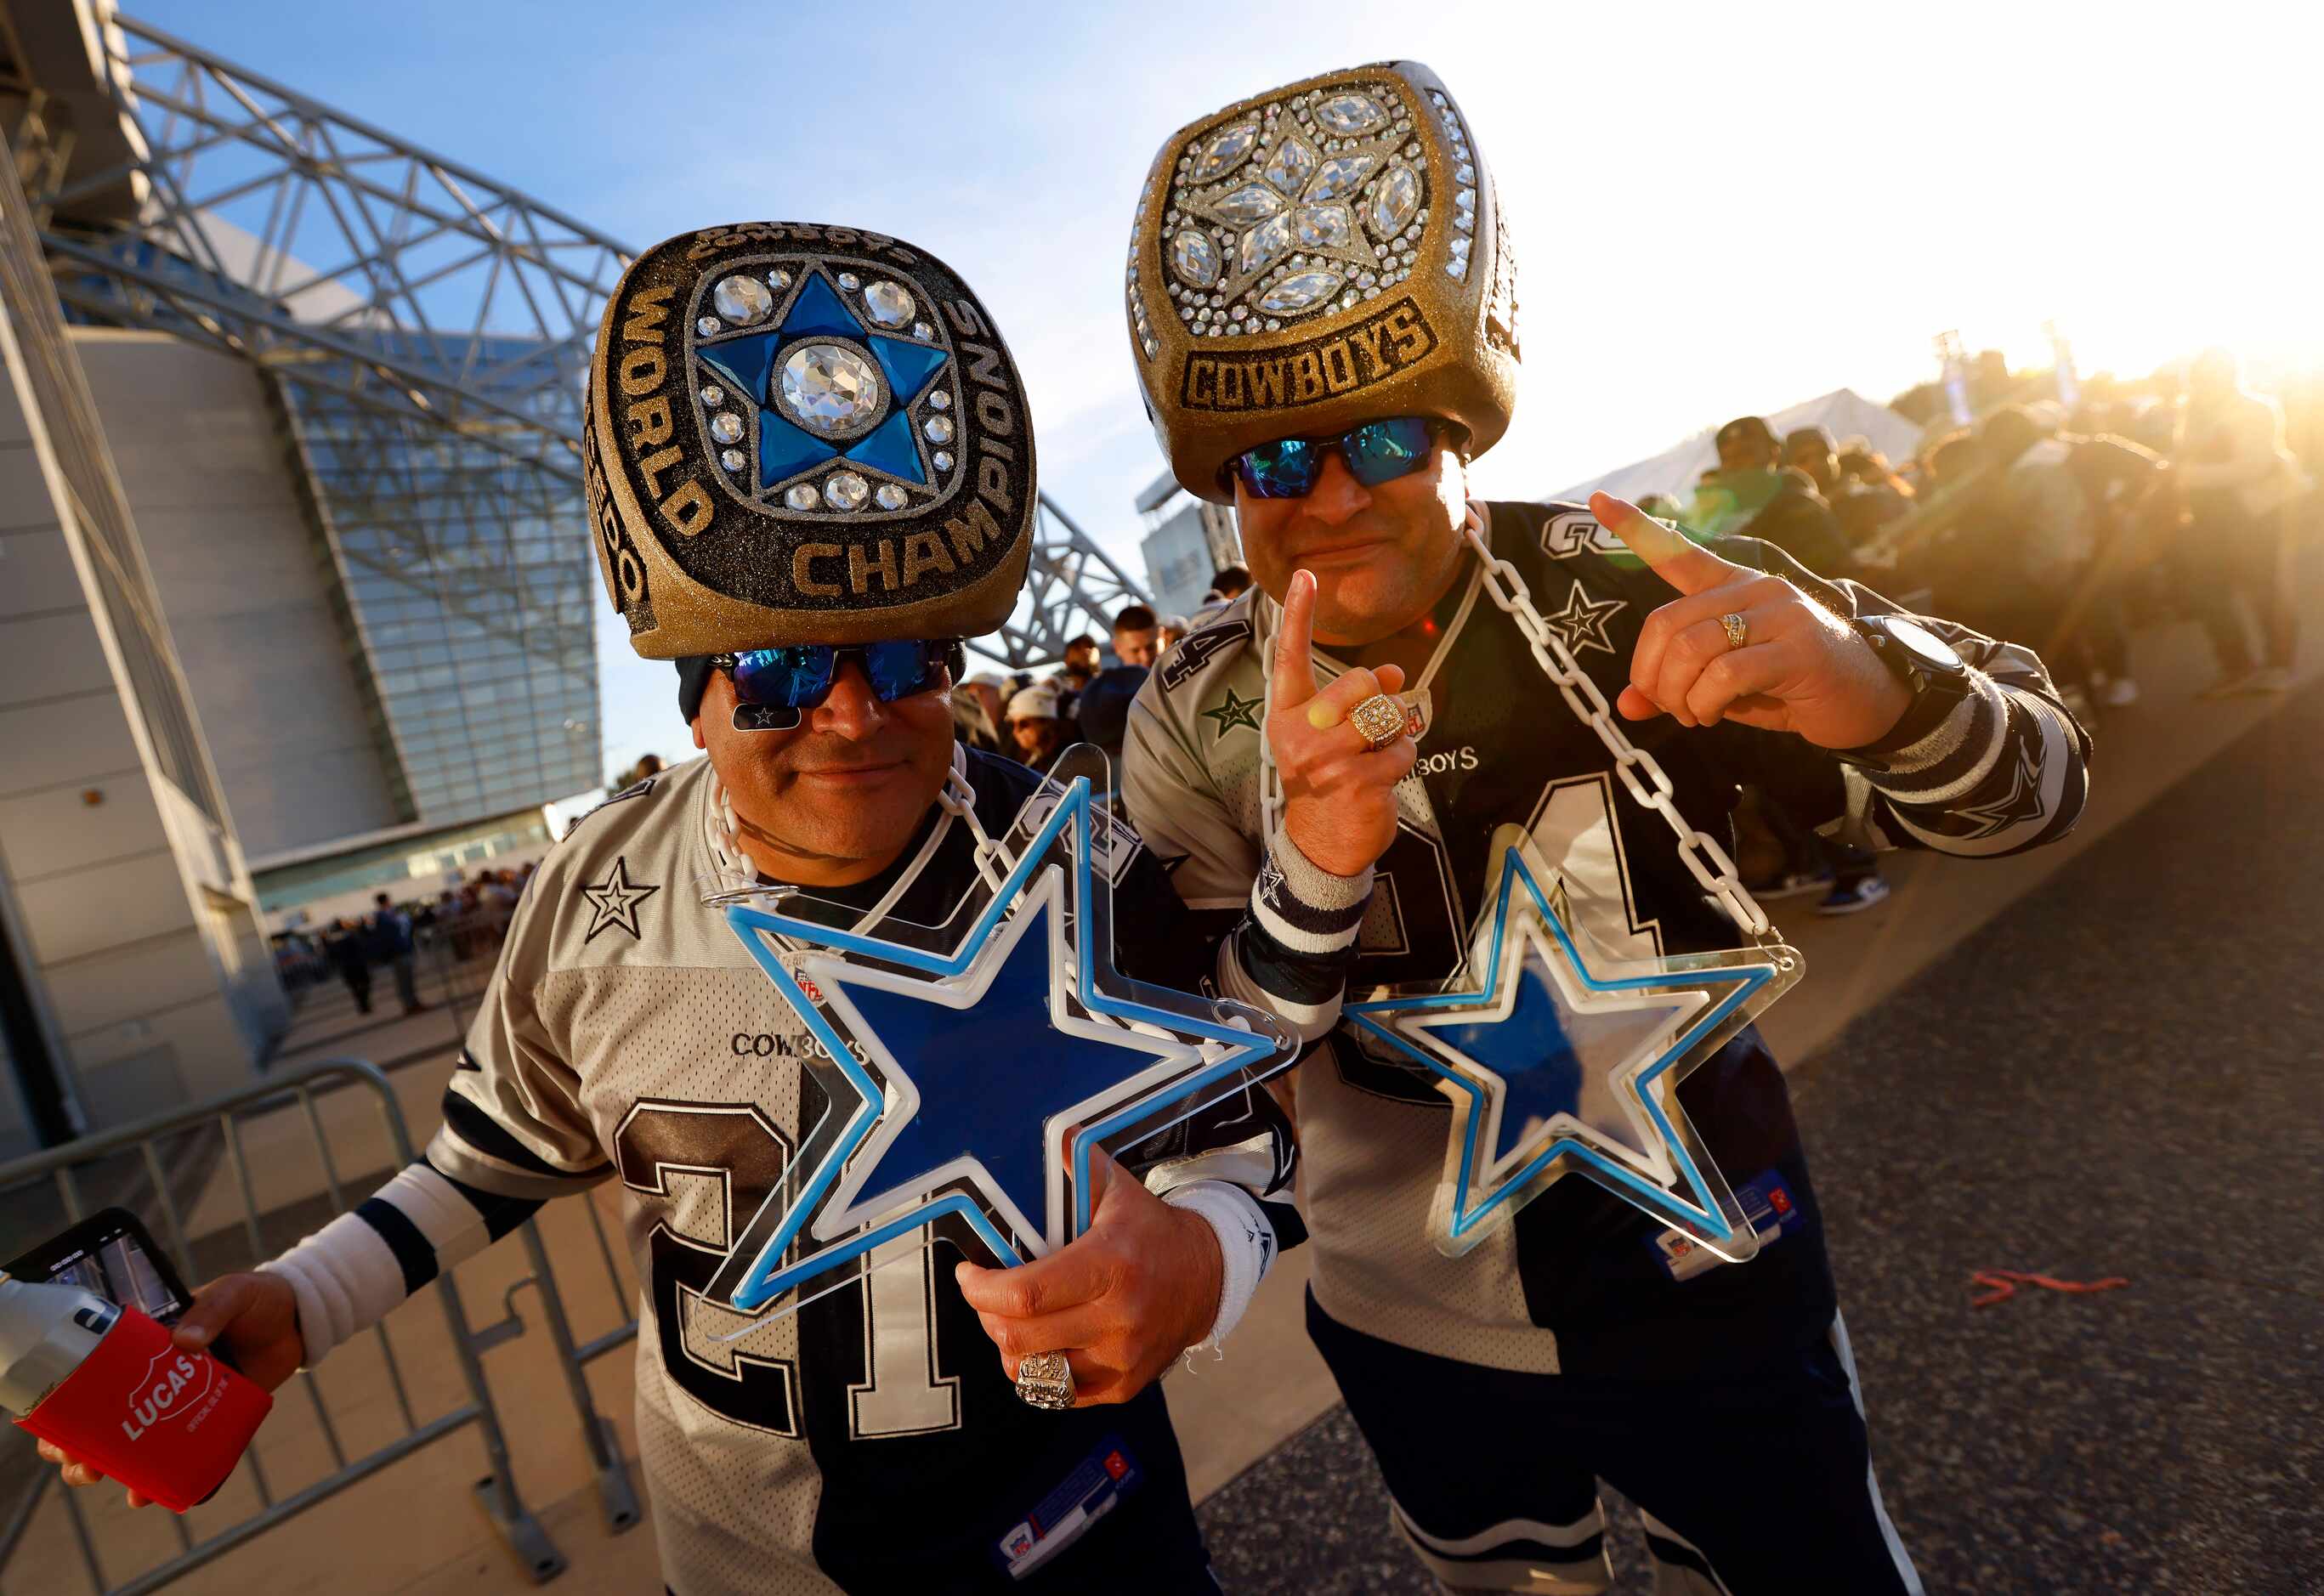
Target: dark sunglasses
[[1376, 452], [775, 688]]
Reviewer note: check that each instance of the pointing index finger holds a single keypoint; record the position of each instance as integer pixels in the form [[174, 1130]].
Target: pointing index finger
[[1294, 669], [1674, 556]]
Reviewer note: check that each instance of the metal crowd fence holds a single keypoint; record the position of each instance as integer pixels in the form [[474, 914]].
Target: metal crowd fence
[[192, 1175], [463, 951]]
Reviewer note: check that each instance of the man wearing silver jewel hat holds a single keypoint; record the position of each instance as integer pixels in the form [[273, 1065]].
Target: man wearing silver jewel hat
[[1322, 304], [810, 475]]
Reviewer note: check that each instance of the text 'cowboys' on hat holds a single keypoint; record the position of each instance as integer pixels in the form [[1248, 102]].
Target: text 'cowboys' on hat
[[1316, 257], [804, 433]]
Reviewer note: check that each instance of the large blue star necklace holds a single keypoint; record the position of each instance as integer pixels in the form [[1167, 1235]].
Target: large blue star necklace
[[971, 1087], [1560, 1060]]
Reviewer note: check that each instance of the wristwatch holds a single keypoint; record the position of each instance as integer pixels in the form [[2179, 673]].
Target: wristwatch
[[1938, 678]]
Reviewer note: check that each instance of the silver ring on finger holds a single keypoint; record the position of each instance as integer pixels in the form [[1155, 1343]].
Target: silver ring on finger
[[1738, 630], [1045, 1380], [1379, 720]]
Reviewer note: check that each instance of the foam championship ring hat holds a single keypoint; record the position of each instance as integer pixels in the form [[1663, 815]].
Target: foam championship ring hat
[[804, 433], [1322, 255]]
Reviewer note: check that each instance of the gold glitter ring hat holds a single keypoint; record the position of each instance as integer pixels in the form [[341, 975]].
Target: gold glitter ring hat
[[1315, 257], [798, 434]]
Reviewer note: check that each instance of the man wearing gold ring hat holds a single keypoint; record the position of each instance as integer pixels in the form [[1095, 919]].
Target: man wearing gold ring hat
[[1322, 310], [810, 474]]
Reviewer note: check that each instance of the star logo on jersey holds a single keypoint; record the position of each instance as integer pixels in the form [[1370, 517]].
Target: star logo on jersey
[[614, 901], [1582, 623], [977, 1083], [1235, 710], [2021, 802], [1559, 1061]]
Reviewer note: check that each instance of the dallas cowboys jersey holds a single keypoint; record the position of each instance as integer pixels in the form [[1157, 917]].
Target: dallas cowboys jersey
[[2002, 771], [869, 1441]]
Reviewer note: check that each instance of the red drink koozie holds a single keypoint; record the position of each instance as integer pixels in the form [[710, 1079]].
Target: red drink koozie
[[106, 1383]]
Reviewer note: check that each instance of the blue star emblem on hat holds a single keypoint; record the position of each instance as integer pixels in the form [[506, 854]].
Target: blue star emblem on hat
[[976, 1083], [826, 385], [1560, 1062]]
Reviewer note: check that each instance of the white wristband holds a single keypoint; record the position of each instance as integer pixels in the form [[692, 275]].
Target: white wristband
[[1245, 1247], [346, 1280]]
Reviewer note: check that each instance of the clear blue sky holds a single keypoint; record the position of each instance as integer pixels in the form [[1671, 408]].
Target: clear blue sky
[[1716, 209]]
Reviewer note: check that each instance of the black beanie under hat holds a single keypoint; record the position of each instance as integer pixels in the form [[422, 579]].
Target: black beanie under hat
[[693, 680]]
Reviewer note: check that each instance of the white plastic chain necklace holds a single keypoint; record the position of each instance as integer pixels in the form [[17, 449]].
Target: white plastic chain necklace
[[1702, 854]]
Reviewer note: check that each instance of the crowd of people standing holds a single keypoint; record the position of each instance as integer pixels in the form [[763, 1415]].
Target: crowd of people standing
[[468, 921], [1031, 719], [2068, 529]]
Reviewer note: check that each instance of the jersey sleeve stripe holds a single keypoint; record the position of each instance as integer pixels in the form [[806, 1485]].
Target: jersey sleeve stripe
[[1286, 972], [413, 1252], [480, 1133], [1310, 1015], [2039, 744], [501, 1214], [1952, 760]]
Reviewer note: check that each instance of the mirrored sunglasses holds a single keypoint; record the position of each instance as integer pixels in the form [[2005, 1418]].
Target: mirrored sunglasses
[[1376, 452], [774, 688]]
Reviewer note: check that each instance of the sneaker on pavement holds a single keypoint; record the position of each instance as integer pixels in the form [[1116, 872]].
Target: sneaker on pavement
[[2229, 684], [2268, 678], [2121, 693], [1797, 883], [1854, 896]]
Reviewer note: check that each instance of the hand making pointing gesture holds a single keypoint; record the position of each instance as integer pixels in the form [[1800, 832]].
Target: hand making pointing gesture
[[1339, 791], [1741, 645]]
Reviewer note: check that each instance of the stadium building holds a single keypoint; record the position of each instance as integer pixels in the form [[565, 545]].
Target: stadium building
[[294, 601]]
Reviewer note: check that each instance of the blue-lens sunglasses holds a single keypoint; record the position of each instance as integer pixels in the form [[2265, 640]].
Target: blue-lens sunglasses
[[1376, 452], [774, 688]]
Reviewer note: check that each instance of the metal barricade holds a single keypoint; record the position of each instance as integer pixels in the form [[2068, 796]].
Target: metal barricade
[[615, 1496], [463, 950], [127, 1167]]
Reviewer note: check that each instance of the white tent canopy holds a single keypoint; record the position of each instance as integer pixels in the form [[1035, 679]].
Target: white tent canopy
[[1843, 413]]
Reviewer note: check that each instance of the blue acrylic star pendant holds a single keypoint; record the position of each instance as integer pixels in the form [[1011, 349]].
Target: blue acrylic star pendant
[[1559, 1060], [971, 1084]]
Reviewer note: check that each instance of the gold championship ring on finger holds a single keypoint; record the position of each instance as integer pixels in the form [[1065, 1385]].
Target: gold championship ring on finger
[[1046, 1379], [1379, 720], [1738, 630]]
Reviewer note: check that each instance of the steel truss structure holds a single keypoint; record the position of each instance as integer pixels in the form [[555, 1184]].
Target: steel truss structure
[[427, 330], [1072, 588]]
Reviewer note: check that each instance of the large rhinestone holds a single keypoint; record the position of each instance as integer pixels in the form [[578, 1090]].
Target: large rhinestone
[[1250, 203], [847, 491], [1325, 227], [1349, 114], [1195, 258], [1297, 293], [1225, 150], [742, 300], [726, 427], [1266, 243], [831, 391], [1343, 176], [1395, 202], [1288, 168], [889, 303]]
